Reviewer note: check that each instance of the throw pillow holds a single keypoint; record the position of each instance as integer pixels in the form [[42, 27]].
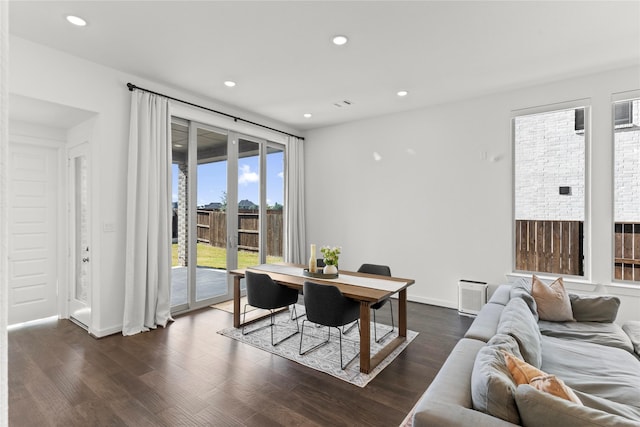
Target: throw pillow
[[523, 373], [600, 308], [555, 386], [552, 301], [520, 370]]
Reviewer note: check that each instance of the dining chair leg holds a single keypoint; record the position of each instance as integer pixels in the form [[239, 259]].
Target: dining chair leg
[[343, 366], [302, 353], [375, 325]]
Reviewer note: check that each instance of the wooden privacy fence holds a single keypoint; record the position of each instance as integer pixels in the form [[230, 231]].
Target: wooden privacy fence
[[627, 251], [550, 246], [212, 229]]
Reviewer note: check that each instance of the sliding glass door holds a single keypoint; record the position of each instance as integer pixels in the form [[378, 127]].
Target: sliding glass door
[[228, 193]]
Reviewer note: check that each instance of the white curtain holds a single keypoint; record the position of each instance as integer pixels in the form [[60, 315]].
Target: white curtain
[[294, 233], [4, 143], [148, 250]]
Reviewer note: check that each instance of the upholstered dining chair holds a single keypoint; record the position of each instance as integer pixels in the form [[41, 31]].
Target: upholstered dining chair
[[381, 270], [327, 306], [264, 293]]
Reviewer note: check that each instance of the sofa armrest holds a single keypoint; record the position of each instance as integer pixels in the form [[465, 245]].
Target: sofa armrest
[[447, 401]]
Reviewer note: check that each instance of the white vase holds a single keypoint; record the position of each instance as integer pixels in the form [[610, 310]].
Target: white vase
[[330, 269]]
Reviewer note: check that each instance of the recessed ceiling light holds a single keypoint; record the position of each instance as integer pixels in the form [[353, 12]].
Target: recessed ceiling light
[[403, 93], [307, 115], [340, 40], [229, 83], [76, 20]]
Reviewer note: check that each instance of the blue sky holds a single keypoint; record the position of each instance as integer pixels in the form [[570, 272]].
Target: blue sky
[[212, 180]]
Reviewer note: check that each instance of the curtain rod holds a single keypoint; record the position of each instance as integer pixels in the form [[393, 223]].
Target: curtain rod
[[133, 87]]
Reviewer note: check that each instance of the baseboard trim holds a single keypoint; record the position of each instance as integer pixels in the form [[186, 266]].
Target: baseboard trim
[[432, 301], [101, 333]]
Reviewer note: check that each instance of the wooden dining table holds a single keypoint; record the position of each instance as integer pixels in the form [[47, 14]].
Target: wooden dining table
[[367, 289]]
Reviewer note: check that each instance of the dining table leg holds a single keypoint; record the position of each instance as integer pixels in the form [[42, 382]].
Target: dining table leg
[[365, 337], [402, 315], [236, 301]]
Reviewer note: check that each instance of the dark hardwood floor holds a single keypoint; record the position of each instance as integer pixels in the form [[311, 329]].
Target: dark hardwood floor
[[188, 375]]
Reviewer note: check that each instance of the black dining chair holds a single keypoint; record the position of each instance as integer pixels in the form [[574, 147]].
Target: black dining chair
[[327, 306], [381, 270], [264, 293]]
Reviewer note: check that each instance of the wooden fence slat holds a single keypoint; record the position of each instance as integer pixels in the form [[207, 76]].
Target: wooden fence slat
[[627, 251], [212, 229], [550, 246]]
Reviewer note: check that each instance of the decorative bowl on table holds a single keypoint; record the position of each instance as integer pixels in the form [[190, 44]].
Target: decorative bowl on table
[[319, 274]]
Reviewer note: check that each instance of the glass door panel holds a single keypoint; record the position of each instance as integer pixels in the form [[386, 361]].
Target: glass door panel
[[211, 248], [179, 222], [249, 202], [274, 178], [79, 299]]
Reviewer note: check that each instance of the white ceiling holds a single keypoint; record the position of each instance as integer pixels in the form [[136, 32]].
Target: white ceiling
[[281, 55]]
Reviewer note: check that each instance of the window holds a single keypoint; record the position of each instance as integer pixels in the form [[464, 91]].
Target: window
[[549, 191], [626, 178]]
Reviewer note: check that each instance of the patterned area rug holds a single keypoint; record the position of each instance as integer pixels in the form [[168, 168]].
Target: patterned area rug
[[326, 358]]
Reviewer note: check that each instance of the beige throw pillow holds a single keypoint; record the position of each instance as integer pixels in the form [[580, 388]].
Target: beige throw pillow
[[520, 370], [524, 373], [553, 302], [555, 386]]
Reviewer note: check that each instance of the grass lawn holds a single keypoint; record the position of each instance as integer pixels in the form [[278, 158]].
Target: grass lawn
[[211, 256]]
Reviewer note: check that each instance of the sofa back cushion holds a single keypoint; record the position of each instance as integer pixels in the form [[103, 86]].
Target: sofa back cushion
[[595, 308], [537, 408], [521, 288], [492, 387], [518, 321]]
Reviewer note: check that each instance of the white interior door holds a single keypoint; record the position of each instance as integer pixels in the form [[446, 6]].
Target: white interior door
[[79, 239], [33, 224]]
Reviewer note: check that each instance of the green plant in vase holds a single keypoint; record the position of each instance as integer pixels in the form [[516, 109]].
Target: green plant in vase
[[330, 255]]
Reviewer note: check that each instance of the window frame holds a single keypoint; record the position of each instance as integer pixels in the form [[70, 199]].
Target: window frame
[[585, 103], [616, 98]]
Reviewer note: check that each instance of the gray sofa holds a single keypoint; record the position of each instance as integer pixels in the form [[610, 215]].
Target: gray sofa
[[593, 356]]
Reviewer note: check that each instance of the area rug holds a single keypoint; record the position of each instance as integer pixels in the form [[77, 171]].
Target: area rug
[[326, 358]]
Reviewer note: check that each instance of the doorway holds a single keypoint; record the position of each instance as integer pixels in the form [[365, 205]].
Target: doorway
[[40, 240]]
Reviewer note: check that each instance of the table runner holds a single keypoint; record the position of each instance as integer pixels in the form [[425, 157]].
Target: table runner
[[366, 282]]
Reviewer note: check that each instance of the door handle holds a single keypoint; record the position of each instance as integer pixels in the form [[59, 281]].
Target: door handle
[[86, 259]]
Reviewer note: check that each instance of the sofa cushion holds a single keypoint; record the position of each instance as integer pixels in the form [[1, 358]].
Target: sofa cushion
[[632, 329], [602, 308], [606, 372], [486, 323], [552, 301], [492, 388], [542, 409], [501, 295], [521, 288], [609, 334], [608, 406], [516, 320]]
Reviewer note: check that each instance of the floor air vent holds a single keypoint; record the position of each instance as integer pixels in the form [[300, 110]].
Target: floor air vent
[[471, 296]]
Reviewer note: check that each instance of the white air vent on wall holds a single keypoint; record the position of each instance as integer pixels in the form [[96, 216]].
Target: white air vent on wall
[[472, 296]]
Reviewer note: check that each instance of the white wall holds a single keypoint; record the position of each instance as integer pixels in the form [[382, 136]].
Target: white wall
[[50, 75], [437, 205]]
